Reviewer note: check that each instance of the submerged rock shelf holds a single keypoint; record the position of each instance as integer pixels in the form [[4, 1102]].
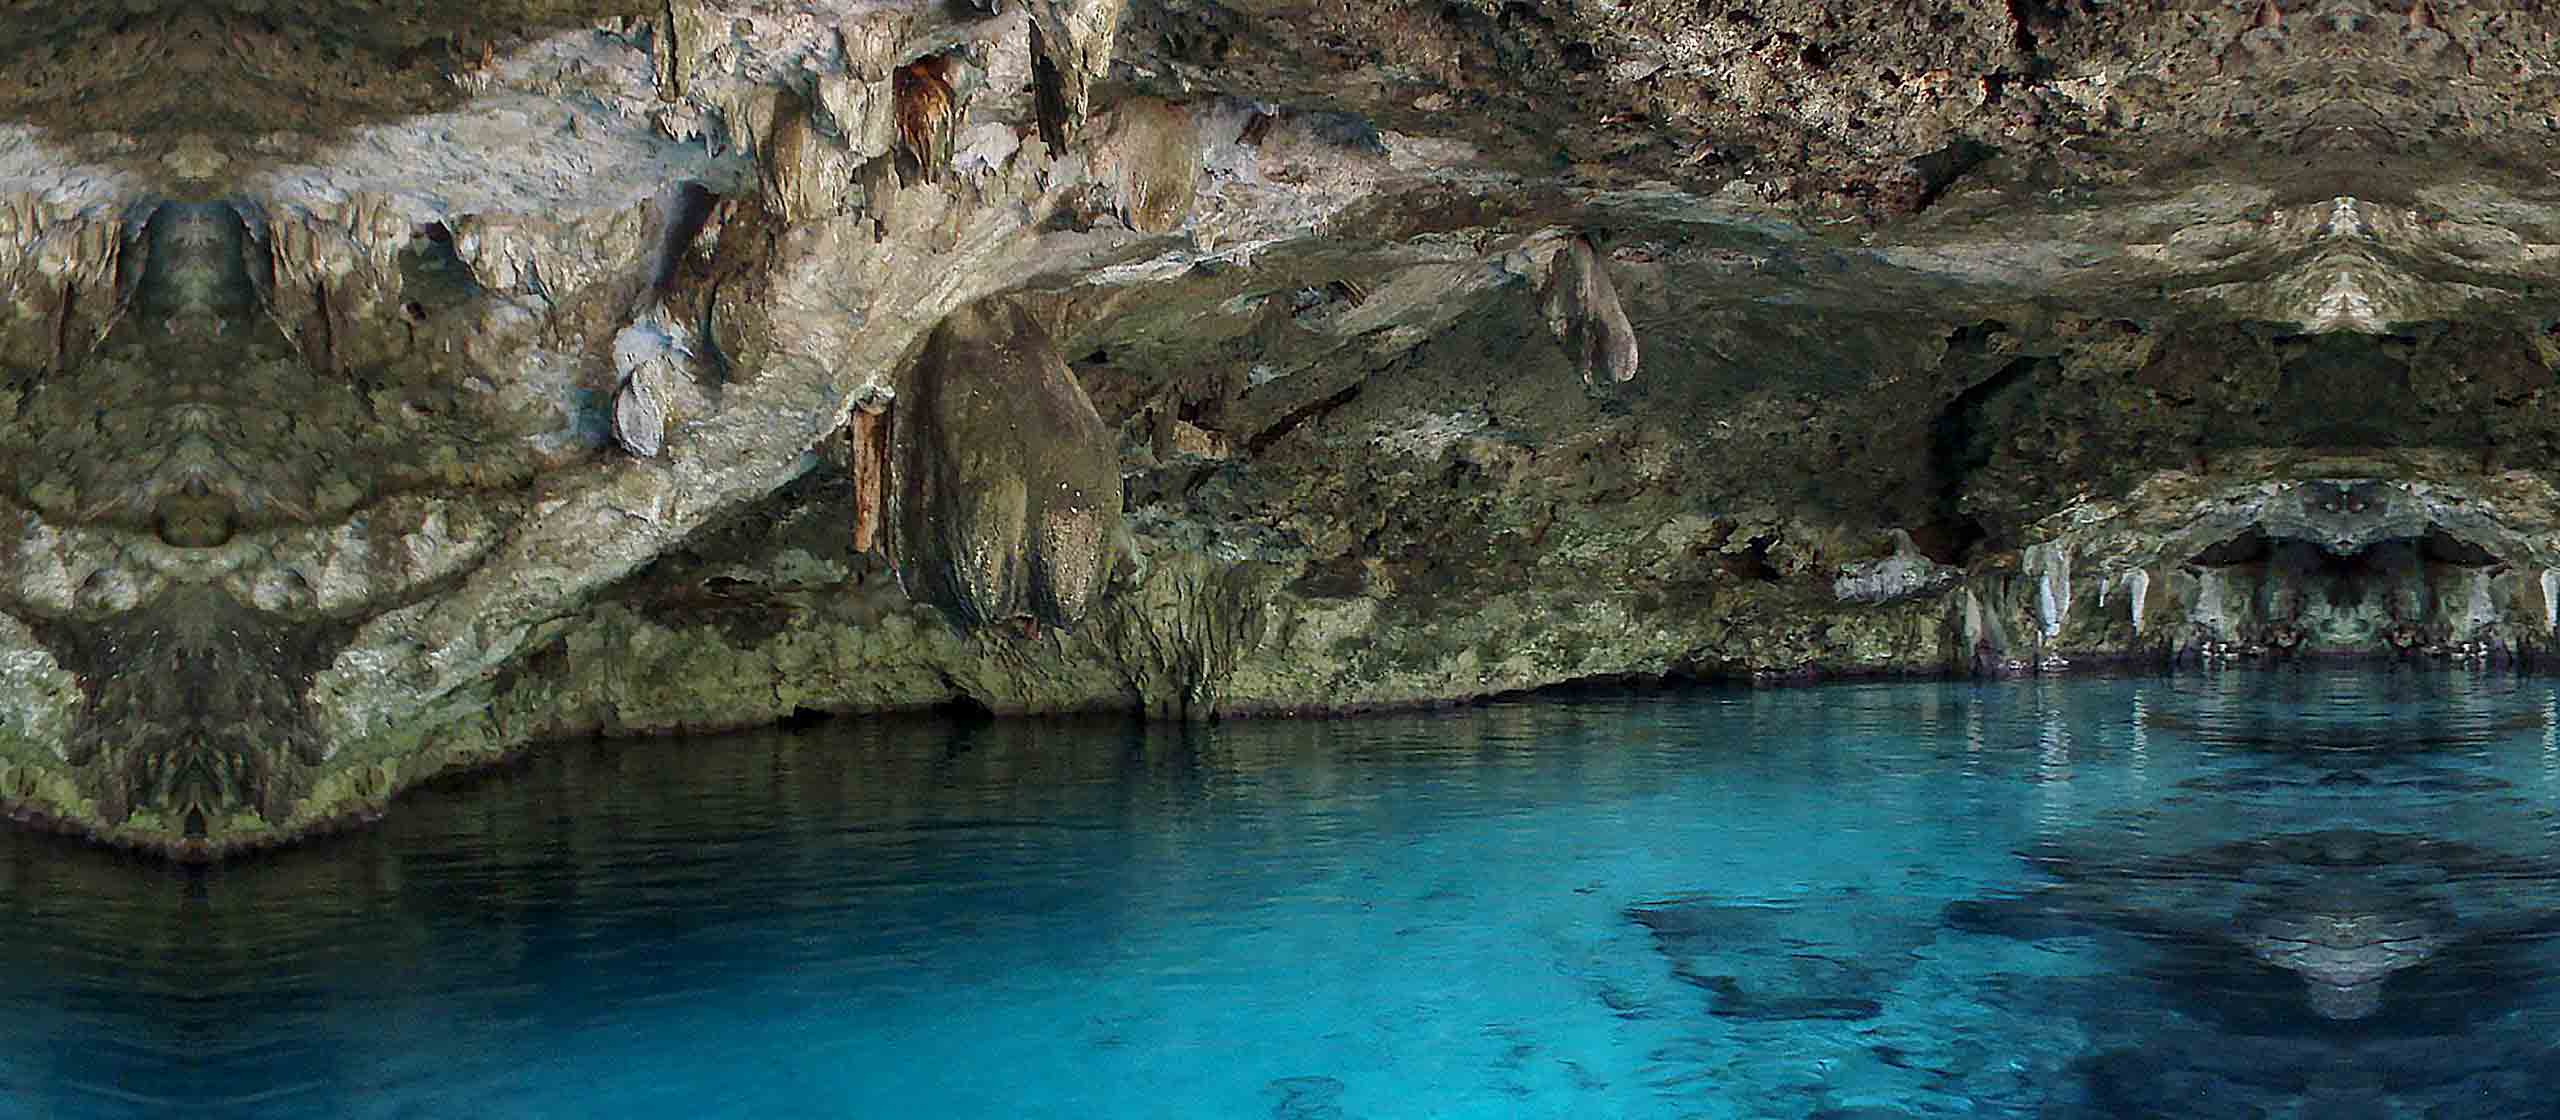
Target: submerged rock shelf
[[409, 391]]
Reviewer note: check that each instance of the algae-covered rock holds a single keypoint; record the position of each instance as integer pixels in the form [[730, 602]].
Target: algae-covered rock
[[1005, 486]]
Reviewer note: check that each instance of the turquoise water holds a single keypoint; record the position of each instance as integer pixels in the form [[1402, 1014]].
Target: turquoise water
[[2268, 894]]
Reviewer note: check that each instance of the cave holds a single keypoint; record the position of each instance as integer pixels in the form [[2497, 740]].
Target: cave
[[739, 385], [613, 495]]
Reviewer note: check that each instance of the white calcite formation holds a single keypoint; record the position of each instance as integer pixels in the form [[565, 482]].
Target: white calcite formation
[[2137, 589], [2050, 565], [1899, 576], [2208, 613]]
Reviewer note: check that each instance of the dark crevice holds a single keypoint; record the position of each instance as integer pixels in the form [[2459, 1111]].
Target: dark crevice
[[964, 709], [1974, 339], [2441, 547], [1258, 127], [683, 209], [433, 277], [2251, 547], [1947, 540], [1961, 442], [323, 352], [1753, 563], [1941, 169], [62, 325], [1048, 95], [2023, 36], [1300, 415]]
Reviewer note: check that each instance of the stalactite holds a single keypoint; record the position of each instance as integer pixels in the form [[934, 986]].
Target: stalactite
[[2050, 563], [1583, 313], [2137, 587], [923, 102]]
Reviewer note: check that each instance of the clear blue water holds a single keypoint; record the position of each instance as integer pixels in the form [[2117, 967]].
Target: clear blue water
[[2319, 894]]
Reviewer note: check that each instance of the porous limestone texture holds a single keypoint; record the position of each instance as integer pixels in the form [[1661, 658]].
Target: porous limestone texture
[[390, 390]]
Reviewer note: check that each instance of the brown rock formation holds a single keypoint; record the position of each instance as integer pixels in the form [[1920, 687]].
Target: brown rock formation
[[1005, 485]]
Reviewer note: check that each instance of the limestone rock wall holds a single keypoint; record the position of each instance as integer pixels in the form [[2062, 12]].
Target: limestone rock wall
[[428, 389]]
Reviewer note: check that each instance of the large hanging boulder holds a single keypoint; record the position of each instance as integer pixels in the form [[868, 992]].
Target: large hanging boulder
[[1005, 485]]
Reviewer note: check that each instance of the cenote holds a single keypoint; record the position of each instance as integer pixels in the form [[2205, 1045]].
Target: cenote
[[494, 495], [2295, 892]]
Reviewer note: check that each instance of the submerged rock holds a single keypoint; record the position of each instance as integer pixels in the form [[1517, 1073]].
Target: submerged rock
[[1783, 961]]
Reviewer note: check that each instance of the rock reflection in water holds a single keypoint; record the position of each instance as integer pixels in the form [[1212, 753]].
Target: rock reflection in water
[[2387, 965], [2344, 911]]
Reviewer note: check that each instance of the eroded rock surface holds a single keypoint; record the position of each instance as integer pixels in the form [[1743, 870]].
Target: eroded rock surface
[[564, 369]]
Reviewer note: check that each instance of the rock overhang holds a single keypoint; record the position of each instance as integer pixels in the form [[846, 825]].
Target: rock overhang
[[1715, 304]]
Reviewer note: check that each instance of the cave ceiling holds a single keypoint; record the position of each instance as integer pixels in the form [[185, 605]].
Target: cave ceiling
[[352, 353]]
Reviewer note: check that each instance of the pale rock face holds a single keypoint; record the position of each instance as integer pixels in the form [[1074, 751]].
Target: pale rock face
[[1901, 575], [648, 360]]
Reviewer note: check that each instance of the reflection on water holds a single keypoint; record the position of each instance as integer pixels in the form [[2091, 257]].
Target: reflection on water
[[2286, 894]]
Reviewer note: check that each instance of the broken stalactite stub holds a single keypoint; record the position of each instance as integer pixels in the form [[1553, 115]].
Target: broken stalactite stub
[[1582, 309], [1004, 486], [1071, 44], [868, 461], [1154, 150], [639, 418]]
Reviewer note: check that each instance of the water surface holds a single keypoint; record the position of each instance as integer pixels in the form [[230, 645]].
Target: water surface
[[2278, 894]]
